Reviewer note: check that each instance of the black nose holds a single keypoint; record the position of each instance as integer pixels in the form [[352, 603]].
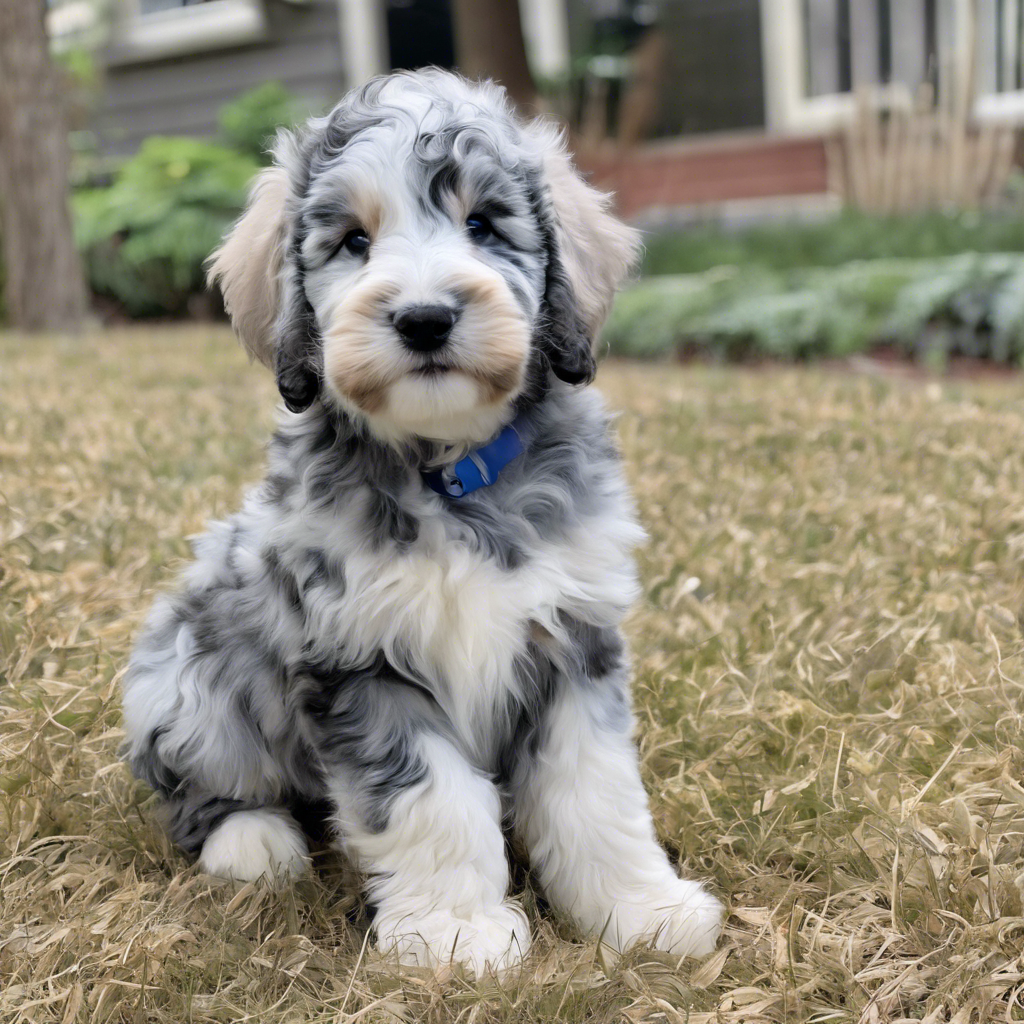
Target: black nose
[[425, 328]]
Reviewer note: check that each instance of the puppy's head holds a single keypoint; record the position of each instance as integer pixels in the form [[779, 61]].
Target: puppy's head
[[413, 254]]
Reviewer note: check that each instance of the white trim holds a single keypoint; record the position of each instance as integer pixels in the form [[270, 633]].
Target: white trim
[[1000, 107], [364, 39], [546, 31], [179, 30], [782, 46]]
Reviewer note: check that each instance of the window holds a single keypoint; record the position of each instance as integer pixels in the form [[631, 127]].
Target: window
[[153, 6], [999, 59], [818, 53], [154, 29], [848, 43]]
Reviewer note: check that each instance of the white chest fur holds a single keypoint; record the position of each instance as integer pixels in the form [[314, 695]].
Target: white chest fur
[[459, 620]]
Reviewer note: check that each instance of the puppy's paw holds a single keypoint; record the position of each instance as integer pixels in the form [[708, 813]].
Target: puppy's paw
[[680, 918], [252, 844], [490, 939]]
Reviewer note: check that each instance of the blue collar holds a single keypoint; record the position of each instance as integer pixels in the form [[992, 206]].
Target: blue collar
[[480, 468]]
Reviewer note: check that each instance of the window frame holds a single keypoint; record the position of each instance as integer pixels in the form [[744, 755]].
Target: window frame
[[788, 107], [216, 24]]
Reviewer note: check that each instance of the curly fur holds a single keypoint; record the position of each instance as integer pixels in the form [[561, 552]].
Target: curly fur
[[421, 668]]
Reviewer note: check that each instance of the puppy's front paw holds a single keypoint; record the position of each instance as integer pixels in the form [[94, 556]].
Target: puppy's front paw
[[264, 843], [491, 938], [680, 918]]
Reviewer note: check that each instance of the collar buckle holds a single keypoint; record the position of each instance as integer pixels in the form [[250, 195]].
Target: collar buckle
[[480, 468]]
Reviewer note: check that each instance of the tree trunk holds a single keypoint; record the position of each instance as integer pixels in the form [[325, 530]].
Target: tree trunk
[[489, 44], [45, 289]]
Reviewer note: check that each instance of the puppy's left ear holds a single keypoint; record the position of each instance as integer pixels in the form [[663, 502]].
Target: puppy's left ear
[[590, 252]]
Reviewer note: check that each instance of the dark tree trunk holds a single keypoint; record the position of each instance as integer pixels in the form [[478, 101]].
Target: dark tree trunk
[[489, 44], [44, 289]]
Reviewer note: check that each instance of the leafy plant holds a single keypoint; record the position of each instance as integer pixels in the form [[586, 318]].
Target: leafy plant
[[250, 122], [144, 239], [830, 242], [969, 304]]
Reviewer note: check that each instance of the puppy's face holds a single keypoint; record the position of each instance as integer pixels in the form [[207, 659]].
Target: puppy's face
[[418, 255], [424, 264]]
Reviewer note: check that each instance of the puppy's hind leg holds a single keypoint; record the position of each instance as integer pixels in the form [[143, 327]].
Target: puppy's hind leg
[[205, 715], [420, 821], [237, 840], [265, 842]]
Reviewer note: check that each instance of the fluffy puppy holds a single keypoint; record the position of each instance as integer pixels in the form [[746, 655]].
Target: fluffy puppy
[[413, 622]]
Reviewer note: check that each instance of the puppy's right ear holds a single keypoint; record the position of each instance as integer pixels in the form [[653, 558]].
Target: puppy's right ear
[[247, 266]]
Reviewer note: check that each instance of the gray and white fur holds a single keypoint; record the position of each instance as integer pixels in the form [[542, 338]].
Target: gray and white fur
[[419, 268]]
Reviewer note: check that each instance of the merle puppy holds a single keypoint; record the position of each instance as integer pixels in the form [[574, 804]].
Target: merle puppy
[[415, 617]]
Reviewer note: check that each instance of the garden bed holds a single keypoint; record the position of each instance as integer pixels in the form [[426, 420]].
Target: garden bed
[[968, 305]]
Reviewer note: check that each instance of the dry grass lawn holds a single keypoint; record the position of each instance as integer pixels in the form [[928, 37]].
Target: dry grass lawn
[[829, 682]]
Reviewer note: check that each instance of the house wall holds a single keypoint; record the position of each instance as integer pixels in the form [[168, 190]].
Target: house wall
[[181, 95], [709, 170]]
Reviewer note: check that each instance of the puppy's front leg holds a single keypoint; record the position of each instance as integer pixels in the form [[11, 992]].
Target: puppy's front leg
[[583, 811], [420, 821]]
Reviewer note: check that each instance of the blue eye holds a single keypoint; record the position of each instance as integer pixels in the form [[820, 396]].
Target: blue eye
[[357, 242], [479, 227]]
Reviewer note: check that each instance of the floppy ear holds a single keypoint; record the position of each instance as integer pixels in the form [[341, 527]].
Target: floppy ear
[[247, 266], [298, 358], [590, 252], [267, 302]]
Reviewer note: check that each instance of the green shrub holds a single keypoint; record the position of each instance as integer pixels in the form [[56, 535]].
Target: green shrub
[[828, 243], [144, 239], [250, 122], [970, 304]]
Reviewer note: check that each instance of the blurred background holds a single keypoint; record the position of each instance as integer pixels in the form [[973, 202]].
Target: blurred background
[[817, 178]]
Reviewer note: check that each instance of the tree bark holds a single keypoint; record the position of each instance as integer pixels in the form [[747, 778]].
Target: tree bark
[[489, 44], [44, 285]]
